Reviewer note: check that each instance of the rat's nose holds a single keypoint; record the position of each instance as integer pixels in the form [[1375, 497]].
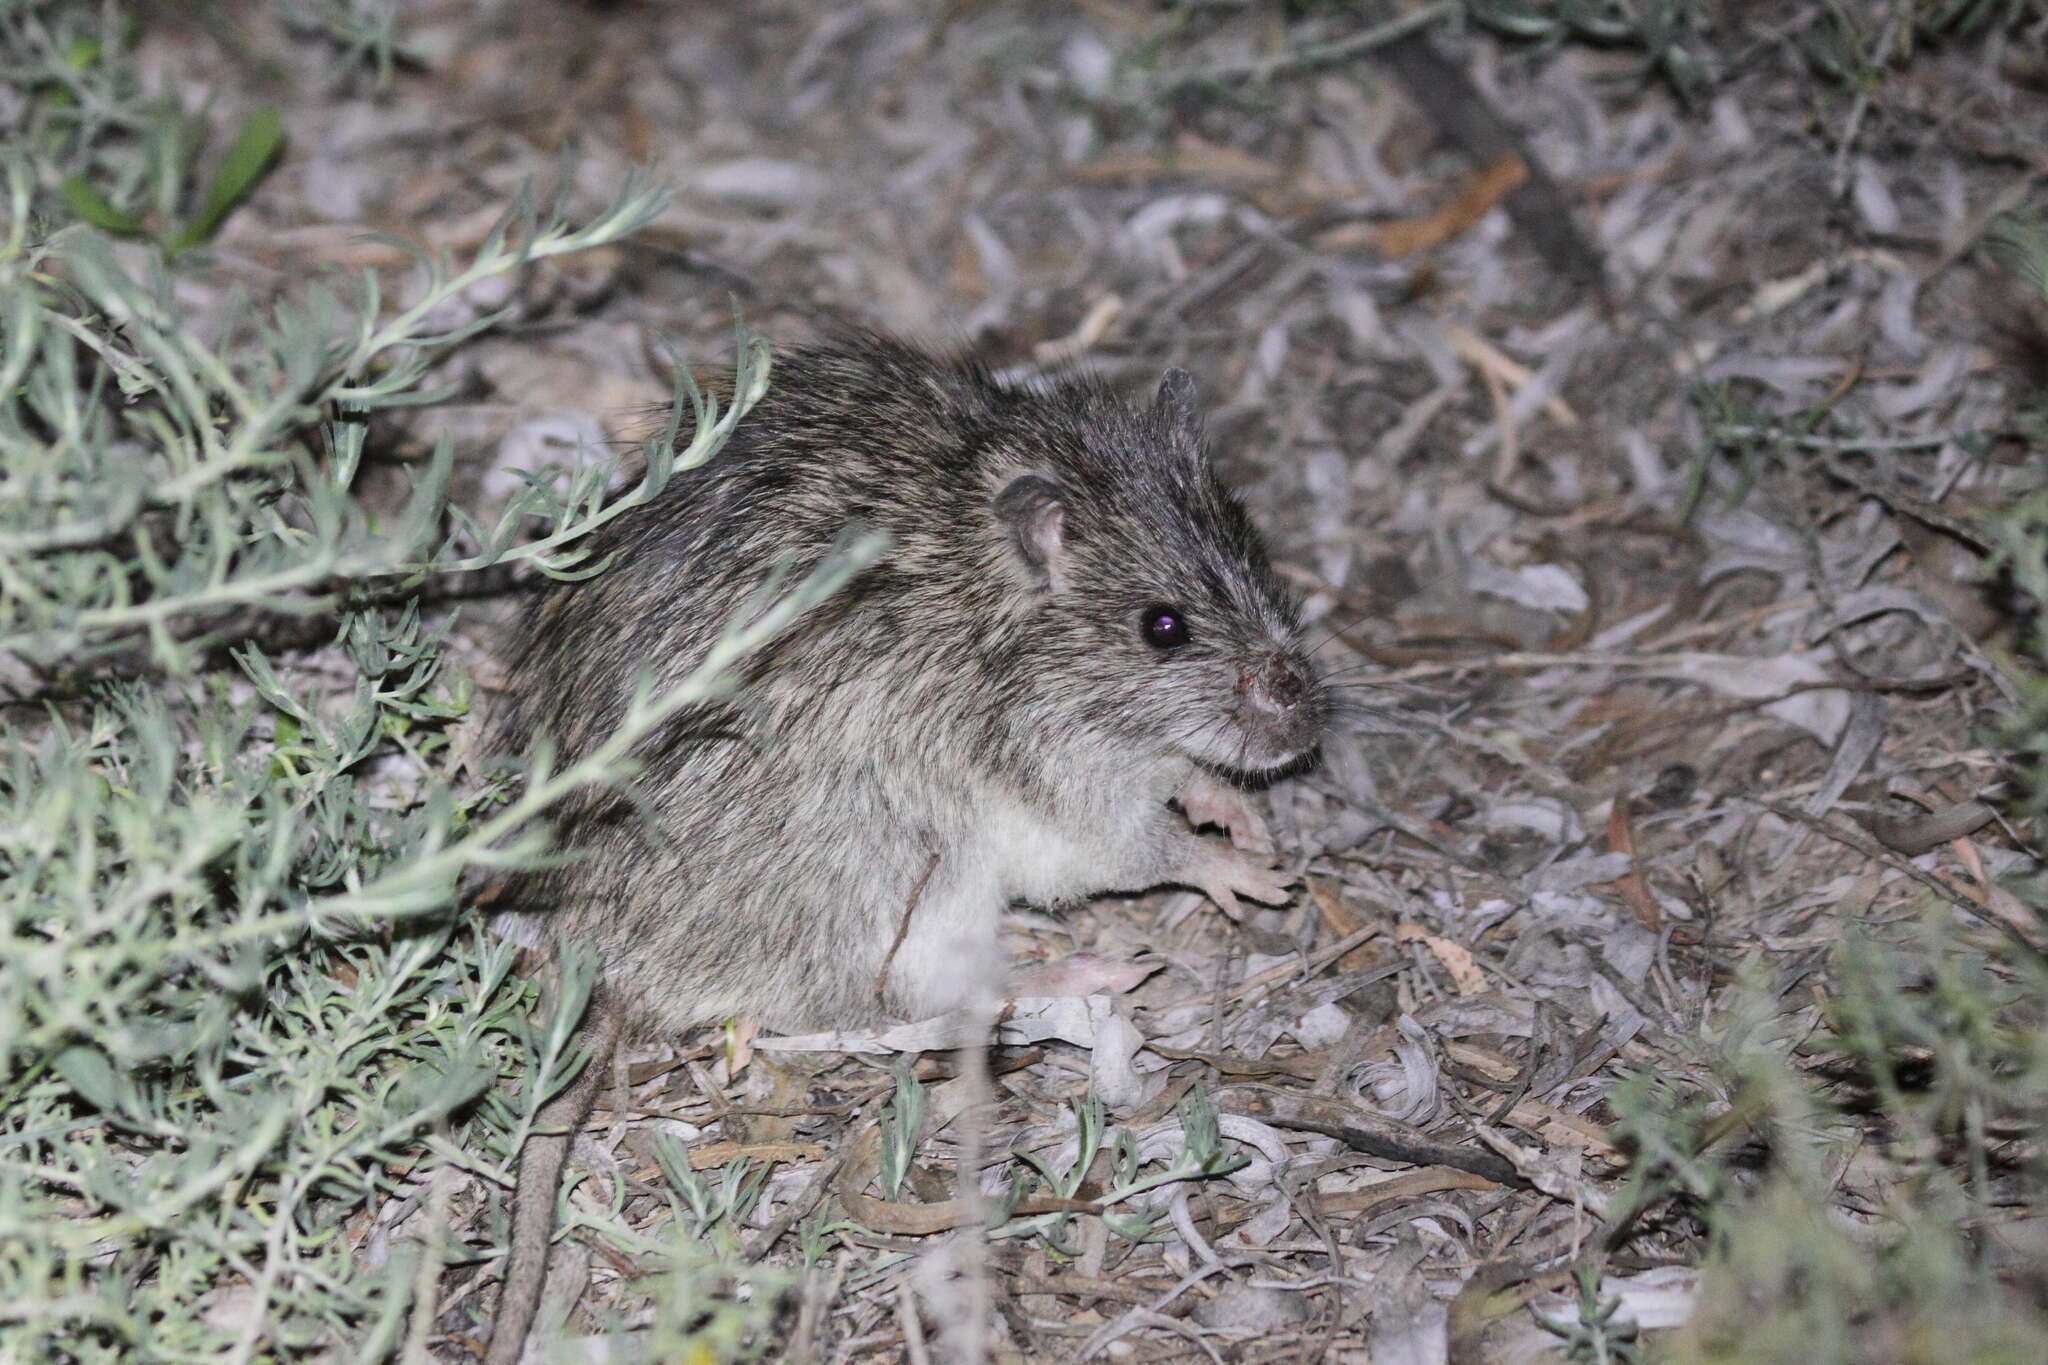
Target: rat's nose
[[1282, 685], [1287, 683]]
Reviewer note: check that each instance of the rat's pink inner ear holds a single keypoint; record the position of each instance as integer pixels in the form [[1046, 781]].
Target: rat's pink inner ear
[[1033, 511]]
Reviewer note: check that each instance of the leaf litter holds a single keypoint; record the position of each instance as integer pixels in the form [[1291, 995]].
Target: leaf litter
[[1661, 612]]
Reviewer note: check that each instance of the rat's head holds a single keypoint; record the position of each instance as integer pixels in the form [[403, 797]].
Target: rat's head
[[1157, 619]]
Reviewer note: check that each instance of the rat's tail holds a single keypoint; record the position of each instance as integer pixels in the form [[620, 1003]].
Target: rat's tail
[[538, 1180]]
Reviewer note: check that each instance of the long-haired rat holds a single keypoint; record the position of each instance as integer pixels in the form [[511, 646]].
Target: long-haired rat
[[1071, 654]]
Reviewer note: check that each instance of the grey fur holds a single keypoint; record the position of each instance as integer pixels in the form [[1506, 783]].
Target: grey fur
[[984, 694], [950, 700]]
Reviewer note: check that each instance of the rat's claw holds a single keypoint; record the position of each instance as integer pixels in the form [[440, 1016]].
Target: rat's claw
[[1209, 802]]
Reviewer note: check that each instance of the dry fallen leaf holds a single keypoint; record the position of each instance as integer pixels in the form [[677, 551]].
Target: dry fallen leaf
[[1490, 360], [1457, 961], [1621, 839], [1196, 158], [1342, 921], [725, 1153]]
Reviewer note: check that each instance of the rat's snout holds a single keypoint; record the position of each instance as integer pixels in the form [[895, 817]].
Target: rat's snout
[[1278, 686], [1281, 705], [1282, 685]]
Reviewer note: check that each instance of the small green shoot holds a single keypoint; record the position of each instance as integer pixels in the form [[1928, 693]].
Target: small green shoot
[[902, 1128], [1089, 1125], [252, 152], [705, 1204], [1592, 1336], [816, 1236], [1203, 1155]]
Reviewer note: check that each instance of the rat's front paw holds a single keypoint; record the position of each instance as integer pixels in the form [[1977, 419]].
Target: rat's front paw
[[1209, 802], [1223, 874]]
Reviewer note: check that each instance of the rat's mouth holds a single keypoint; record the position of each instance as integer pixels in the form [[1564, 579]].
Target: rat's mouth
[[1258, 771], [1258, 750]]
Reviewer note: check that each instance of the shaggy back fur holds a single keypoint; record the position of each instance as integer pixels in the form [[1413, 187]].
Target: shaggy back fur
[[983, 703]]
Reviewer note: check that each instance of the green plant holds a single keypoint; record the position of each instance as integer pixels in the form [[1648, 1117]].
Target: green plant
[[363, 30], [703, 1204], [175, 211], [240, 1009], [118, 156], [1593, 1336], [1898, 1117], [816, 1236], [708, 1308], [709, 1303], [902, 1129], [1201, 1155], [1671, 33]]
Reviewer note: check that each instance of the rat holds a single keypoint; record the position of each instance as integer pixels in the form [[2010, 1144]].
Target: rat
[[1072, 656]]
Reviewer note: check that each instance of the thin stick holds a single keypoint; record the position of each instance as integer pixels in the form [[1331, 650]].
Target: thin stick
[[903, 930], [797, 1208], [1315, 55], [914, 1349], [1377, 1138], [1885, 39], [1871, 848]]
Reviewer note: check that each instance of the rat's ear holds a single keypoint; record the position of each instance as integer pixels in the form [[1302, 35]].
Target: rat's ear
[[1175, 408], [1032, 509]]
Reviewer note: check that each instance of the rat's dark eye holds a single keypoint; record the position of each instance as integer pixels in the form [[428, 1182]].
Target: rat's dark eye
[[1163, 627]]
